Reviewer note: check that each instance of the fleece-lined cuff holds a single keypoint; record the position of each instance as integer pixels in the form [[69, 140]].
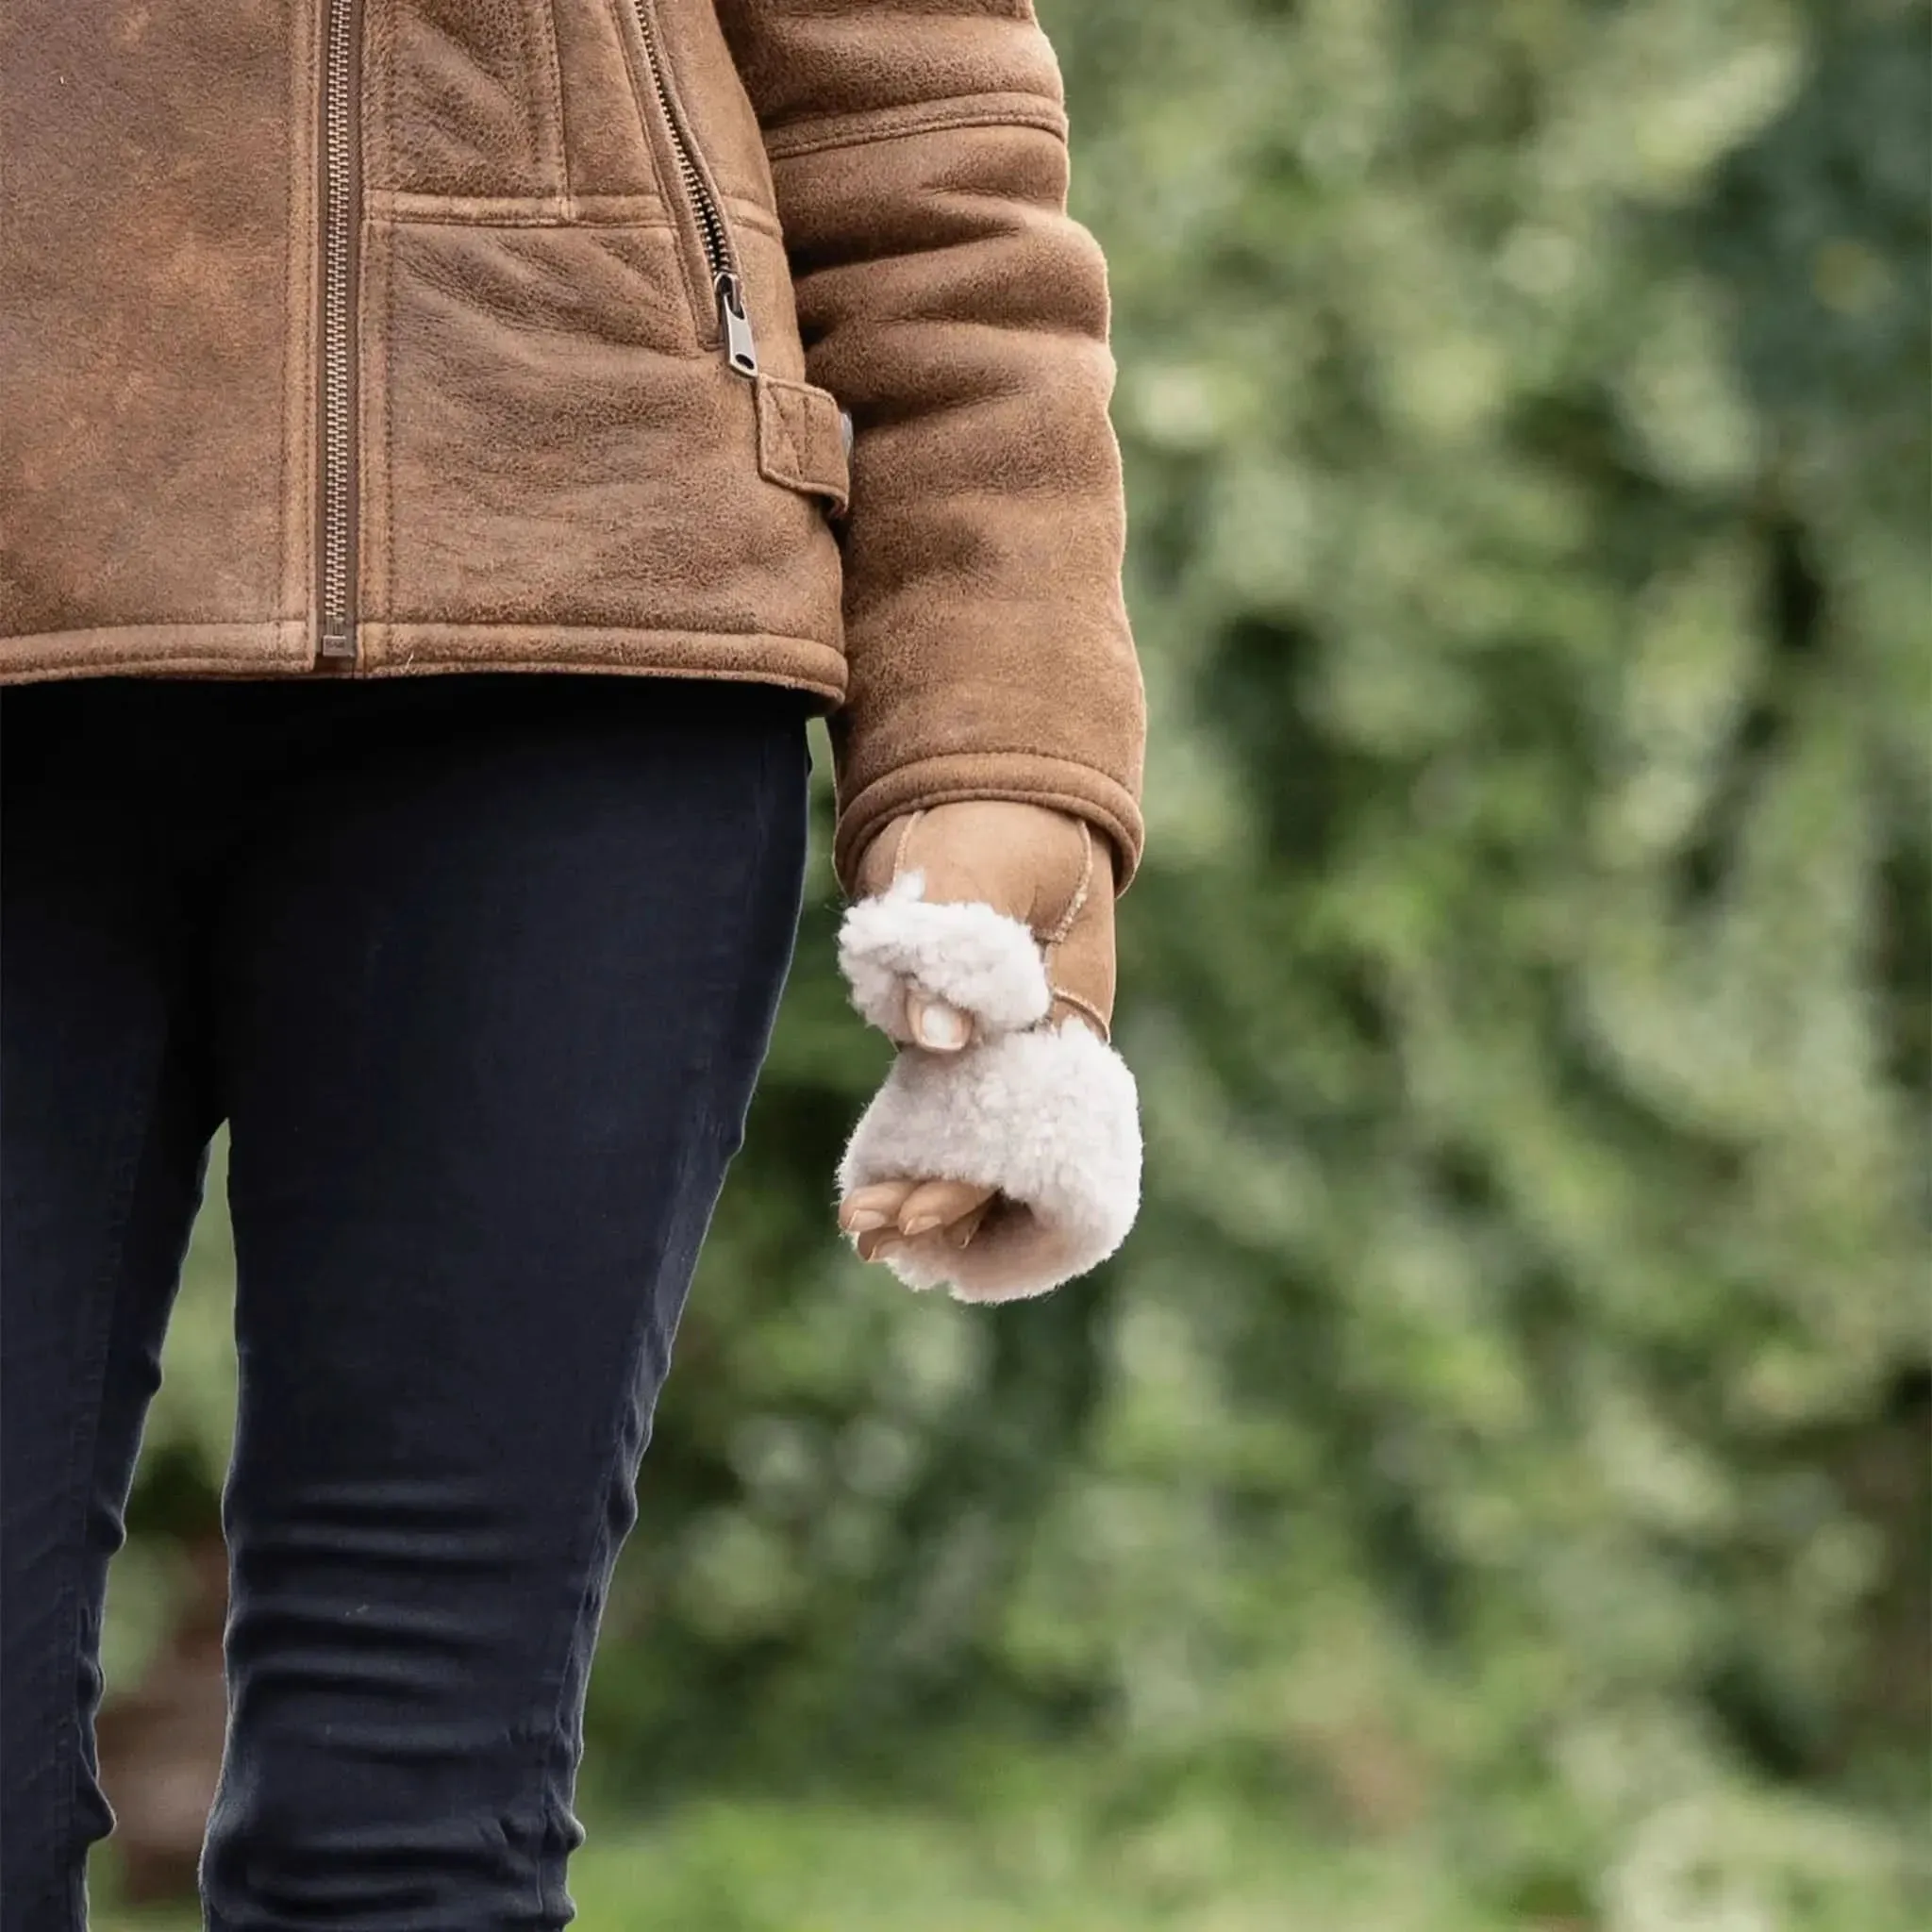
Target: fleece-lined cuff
[[1049, 1118], [968, 955]]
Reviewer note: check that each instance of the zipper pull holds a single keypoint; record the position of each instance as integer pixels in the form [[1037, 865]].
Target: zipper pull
[[740, 351]]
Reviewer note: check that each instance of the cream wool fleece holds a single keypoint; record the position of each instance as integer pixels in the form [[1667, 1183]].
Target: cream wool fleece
[[969, 955], [1046, 1114]]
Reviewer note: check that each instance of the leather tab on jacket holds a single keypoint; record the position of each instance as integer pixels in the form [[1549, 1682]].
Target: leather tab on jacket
[[801, 440]]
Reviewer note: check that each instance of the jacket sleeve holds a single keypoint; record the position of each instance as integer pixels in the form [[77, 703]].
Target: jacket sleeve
[[920, 155]]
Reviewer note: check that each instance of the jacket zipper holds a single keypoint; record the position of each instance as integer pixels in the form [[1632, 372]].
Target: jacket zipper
[[740, 351], [341, 134]]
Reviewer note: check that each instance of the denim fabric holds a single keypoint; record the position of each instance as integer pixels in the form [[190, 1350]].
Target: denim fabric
[[480, 970]]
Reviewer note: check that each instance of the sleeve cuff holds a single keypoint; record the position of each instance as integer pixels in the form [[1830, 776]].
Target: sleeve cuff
[[1024, 778]]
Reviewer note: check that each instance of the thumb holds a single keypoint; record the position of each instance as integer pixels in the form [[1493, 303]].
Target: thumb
[[934, 1025]]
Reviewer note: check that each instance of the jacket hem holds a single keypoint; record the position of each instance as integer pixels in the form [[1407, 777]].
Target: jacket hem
[[171, 650], [401, 650], [395, 650]]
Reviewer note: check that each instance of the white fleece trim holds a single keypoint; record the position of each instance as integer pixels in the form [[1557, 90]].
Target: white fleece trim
[[1050, 1118], [974, 958]]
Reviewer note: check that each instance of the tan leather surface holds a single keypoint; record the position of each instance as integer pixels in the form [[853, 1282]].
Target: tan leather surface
[[147, 301], [555, 467], [1038, 866]]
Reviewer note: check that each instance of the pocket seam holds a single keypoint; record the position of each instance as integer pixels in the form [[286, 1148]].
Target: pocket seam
[[413, 209]]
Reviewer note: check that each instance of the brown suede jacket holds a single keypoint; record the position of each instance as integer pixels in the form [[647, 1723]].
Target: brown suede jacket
[[376, 337]]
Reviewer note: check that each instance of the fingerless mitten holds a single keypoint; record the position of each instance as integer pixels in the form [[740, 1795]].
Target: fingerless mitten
[[1002, 913]]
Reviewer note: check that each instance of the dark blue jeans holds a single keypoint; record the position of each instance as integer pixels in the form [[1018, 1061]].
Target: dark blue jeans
[[480, 970]]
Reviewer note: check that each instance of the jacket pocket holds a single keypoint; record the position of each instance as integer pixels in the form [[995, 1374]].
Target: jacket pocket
[[803, 442]]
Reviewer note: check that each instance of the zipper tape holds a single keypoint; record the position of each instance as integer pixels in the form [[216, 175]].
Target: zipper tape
[[727, 286]]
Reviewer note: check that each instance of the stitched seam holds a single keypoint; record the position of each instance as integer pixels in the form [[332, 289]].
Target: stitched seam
[[393, 215], [553, 60], [782, 408], [301, 86], [540, 629], [289, 227], [905, 839], [962, 111], [994, 751], [855, 828], [1087, 1006], [1065, 925], [815, 457], [780, 460], [292, 629], [808, 450], [252, 626], [387, 589], [532, 112], [784, 424], [390, 253], [305, 575], [386, 40]]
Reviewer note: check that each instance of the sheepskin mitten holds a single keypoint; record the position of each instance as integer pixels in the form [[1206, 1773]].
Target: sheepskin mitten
[[1002, 1156]]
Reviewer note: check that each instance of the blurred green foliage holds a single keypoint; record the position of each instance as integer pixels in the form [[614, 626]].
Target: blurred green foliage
[[812, 1866], [1504, 1444]]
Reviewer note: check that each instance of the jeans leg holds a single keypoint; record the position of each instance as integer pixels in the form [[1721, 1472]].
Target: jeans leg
[[104, 1126], [493, 1002]]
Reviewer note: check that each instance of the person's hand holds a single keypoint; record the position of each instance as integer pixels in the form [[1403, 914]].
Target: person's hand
[[1046, 869], [984, 931]]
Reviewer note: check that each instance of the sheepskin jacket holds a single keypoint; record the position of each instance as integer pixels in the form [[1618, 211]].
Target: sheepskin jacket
[[740, 339]]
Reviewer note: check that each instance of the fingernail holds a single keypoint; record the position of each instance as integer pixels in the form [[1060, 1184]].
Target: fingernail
[[963, 1236], [865, 1221], [923, 1224], [939, 1027]]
